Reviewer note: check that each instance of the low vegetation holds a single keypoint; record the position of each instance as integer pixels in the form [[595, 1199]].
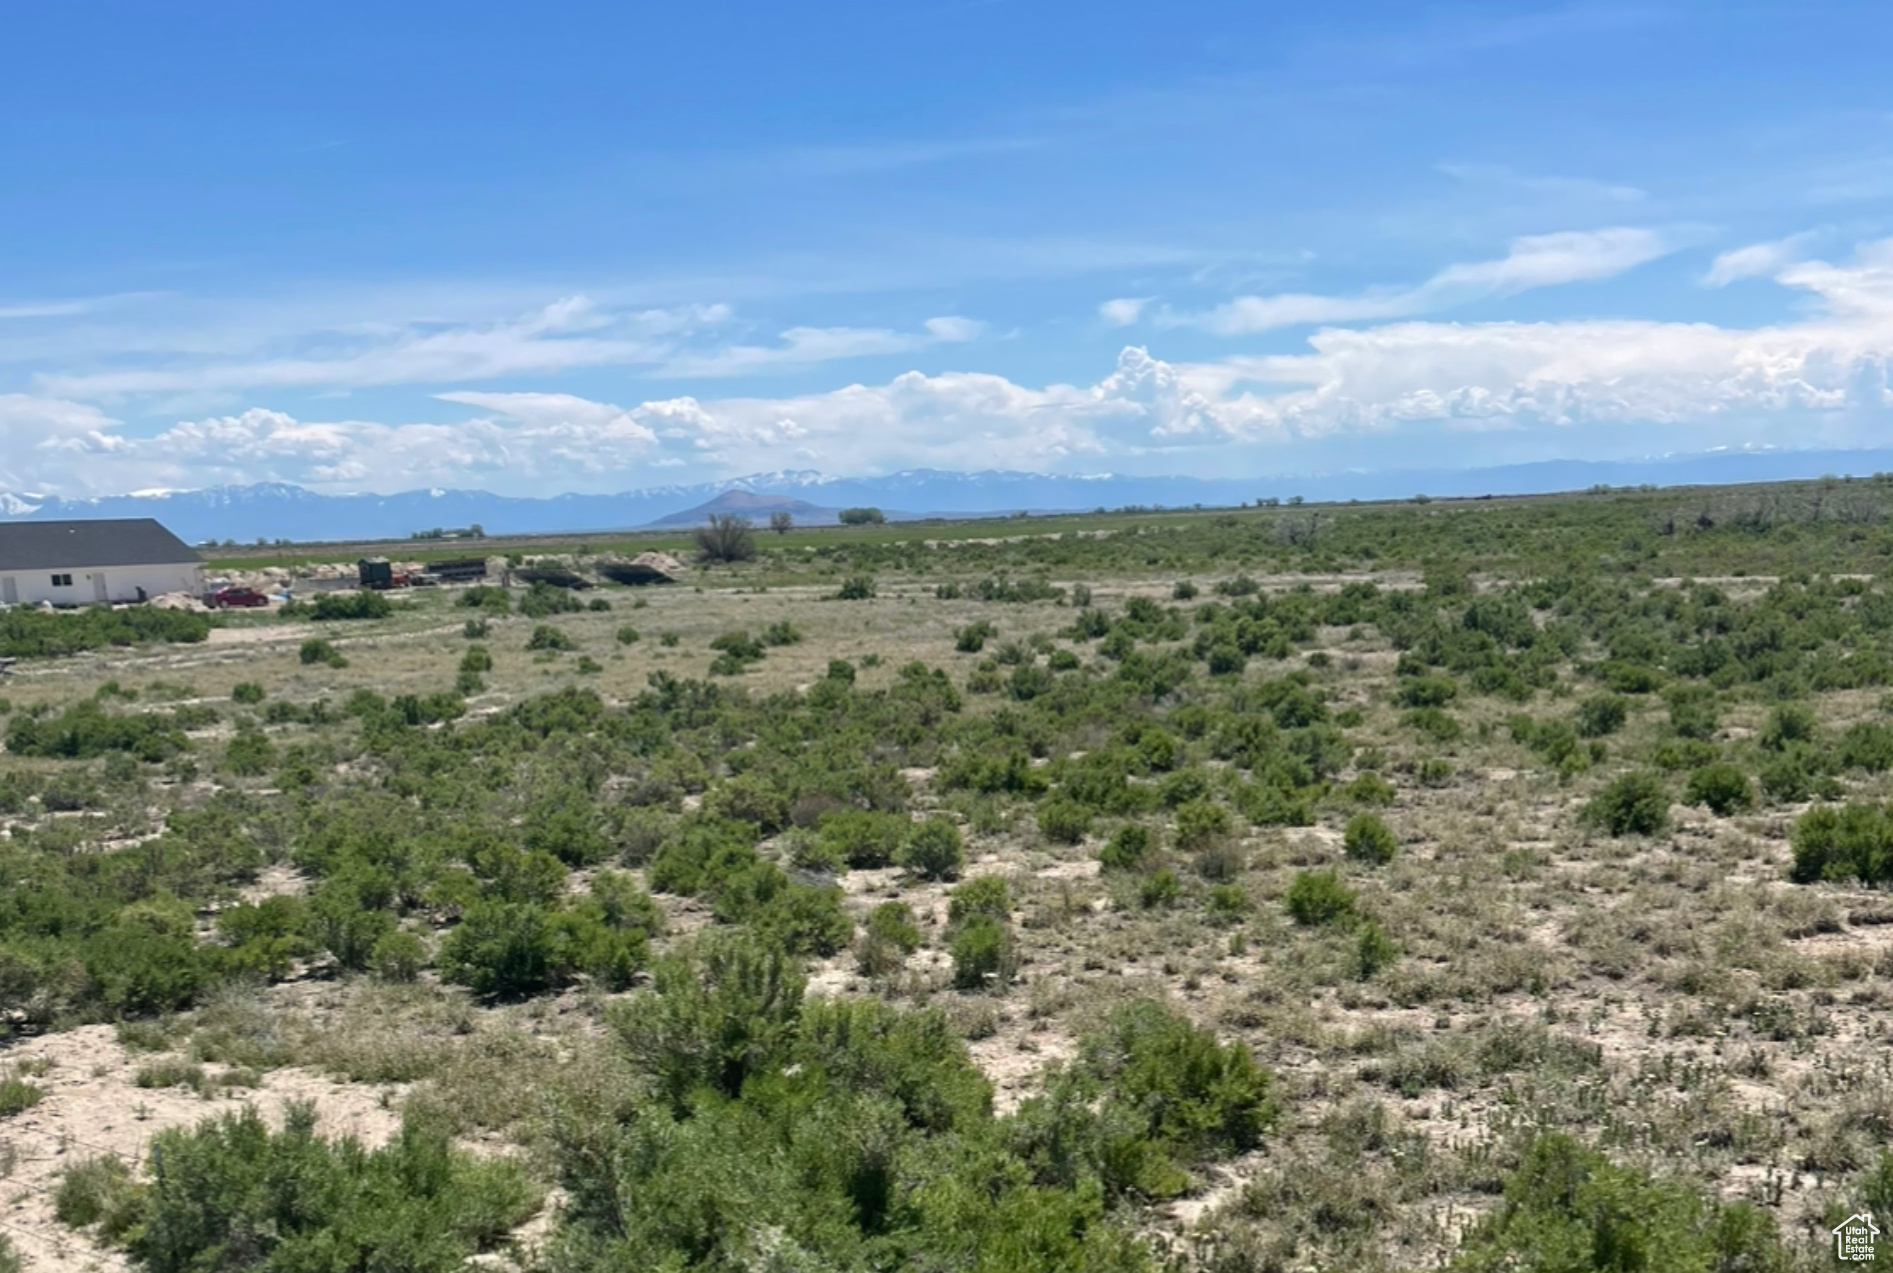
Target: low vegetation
[[1486, 885]]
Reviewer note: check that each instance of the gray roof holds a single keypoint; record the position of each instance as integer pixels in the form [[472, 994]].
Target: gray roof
[[126, 541]]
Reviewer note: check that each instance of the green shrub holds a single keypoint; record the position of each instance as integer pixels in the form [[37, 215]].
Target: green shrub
[[32, 634], [18, 1095], [316, 650], [1201, 824], [1368, 839], [544, 599], [933, 850], [1187, 1095], [1787, 724], [1370, 788], [1319, 897], [1228, 903], [249, 754], [1600, 716], [86, 730], [547, 637], [1183, 590], [972, 638], [1866, 745], [862, 839], [1722, 787], [983, 955], [477, 658], [1158, 890], [1063, 820], [987, 895], [1426, 691], [514, 949], [1128, 849], [1569, 1210], [1635, 804], [475, 629], [100, 1191], [782, 632], [841, 671], [856, 588], [628, 635], [1432, 723], [887, 939], [292, 1200], [246, 692], [1373, 951], [398, 957], [485, 597], [1854, 842], [365, 604]]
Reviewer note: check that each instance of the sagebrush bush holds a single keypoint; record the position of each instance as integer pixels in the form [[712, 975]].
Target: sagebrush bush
[[1787, 724], [1853, 842], [983, 954], [1600, 716], [1722, 787], [1128, 849], [1368, 839], [547, 637], [932, 849], [1201, 824], [1373, 951], [1634, 804], [1064, 820], [1319, 897], [331, 606], [887, 939], [1433, 723], [316, 650], [1157, 890], [293, 1200], [1568, 1208]]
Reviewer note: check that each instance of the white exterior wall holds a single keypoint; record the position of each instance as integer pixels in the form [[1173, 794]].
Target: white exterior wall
[[92, 584]]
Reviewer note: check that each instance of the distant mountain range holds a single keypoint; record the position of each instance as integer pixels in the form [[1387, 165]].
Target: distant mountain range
[[275, 510]]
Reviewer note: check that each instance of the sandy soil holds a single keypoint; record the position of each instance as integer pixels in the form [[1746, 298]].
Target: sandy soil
[[93, 1107]]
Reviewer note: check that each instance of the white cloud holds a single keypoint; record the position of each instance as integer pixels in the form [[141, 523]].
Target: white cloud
[[1123, 311], [567, 335], [1757, 260], [806, 346], [1561, 188], [1681, 385], [1539, 260]]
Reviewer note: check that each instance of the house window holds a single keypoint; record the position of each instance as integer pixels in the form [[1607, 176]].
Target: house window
[[62, 581]]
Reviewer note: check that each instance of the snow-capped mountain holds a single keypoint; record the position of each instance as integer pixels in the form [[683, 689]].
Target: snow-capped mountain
[[278, 510]]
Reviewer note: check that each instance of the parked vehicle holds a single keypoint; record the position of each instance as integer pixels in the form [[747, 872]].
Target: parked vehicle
[[244, 598]]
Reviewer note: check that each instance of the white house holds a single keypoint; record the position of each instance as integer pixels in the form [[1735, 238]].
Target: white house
[[89, 562]]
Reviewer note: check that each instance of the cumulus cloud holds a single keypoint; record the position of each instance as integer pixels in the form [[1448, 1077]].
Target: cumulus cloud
[[50, 437], [1681, 384], [1538, 260], [1757, 260]]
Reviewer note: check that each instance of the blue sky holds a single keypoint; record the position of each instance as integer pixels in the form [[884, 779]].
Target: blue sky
[[601, 247]]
